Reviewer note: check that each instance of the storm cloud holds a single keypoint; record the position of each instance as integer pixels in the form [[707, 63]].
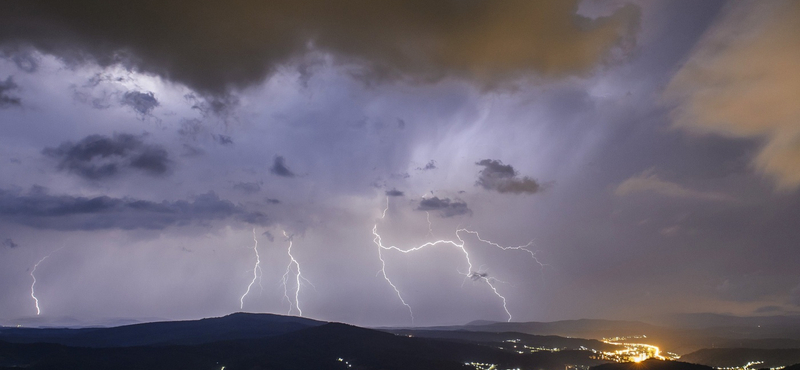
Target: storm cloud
[[502, 178], [7, 242], [142, 103], [711, 96], [279, 168], [394, 193], [98, 157], [213, 47], [7, 99], [444, 206], [38, 209]]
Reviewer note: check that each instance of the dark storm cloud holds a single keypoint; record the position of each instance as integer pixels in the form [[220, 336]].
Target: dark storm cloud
[[430, 166], [394, 193], [9, 243], [141, 102], [98, 157], [213, 47], [269, 236], [223, 139], [279, 168], [502, 178], [445, 206], [247, 187], [273, 201], [23, 58], [6, 98], [41, 210]]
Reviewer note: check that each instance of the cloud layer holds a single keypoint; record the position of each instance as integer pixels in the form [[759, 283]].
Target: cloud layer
[[213, 47], [41, 210], [502, 178], [742, 81], [97, 157]]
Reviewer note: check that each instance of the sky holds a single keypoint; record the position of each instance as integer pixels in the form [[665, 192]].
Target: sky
[[565, 160]]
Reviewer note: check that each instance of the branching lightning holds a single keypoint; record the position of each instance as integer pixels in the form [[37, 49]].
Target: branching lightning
[[257, 273], [298, 277], [461, 245], [33, 271]]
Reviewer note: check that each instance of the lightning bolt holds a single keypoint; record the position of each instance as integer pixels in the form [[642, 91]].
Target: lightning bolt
[[298, 277], [460, 245], [256, 270], [33, 271]]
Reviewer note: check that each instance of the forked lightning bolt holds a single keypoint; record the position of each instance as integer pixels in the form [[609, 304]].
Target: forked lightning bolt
[[298, 277], [460, 244], [257, 273], [33, 271]]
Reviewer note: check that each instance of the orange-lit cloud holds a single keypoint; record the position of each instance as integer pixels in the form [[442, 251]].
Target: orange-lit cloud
[[742, 80]]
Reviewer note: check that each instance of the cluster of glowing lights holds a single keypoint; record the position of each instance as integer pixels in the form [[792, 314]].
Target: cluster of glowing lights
[[634, 352], [461, 246]]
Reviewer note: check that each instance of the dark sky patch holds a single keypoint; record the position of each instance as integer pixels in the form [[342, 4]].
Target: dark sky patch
[[269, 236], [273, 201], [502, 178], [39, 209], [444, 206], [98, 157], [7, 97], [279, 168]]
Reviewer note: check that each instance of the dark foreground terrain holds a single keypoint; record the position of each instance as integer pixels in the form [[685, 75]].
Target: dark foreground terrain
[[264, 341], [249, 341]]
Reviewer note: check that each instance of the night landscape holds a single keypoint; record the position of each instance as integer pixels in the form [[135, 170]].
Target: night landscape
[[362, 184]]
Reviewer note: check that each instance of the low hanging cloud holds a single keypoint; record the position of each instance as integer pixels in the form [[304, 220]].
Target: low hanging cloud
[[742, 81], [445, 206], [8, 243], [98, 157], [502, 178], [394, 193], [142, 103], [431, 165], [214, 47], [279, 168], [649, 182], [41, 210], [7, 99]]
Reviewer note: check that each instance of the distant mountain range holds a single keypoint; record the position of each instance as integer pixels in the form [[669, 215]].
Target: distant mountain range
[[265, 341]]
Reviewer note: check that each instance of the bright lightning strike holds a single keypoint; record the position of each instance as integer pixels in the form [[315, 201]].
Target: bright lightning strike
[[256, 270], [33, 271], [298, 277], [461, 245]]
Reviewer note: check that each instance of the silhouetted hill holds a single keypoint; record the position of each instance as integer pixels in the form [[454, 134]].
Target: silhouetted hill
[[234, 326], [653, 364], [726, 357], [314, 347]]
